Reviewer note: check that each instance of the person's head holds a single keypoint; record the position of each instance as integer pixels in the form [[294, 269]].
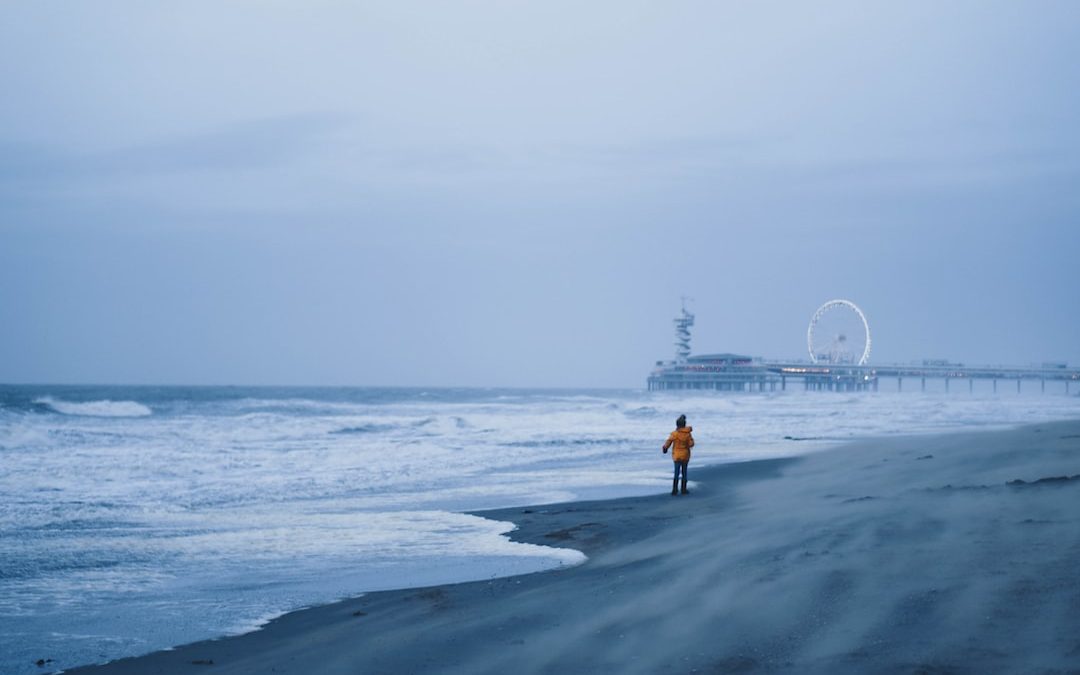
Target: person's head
[[681, 422]]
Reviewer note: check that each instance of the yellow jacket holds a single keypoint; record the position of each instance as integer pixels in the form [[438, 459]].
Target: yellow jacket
[[683, 441]]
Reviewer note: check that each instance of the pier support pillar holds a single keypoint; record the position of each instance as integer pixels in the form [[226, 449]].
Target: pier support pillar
[[971, 386], [1043, 386], [924, 384], [1066, 387], [899, 384], [783, 384], [995, 385], [1018, 385], [946, 385]]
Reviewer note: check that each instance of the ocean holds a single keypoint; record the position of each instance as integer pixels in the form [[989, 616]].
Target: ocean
[[137, 518]]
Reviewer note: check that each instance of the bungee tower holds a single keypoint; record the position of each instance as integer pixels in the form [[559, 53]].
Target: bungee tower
[[683, 322]]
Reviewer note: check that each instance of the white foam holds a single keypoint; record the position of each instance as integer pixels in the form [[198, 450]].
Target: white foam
[[105, 408], [20, 436]]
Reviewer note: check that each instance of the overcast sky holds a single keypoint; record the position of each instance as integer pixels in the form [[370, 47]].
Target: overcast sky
[[518, 193]]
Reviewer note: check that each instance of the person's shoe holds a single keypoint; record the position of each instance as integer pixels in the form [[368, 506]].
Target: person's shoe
[[684, 490], [675, 487]]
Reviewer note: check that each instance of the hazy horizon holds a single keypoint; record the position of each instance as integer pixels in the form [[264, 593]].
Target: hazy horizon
[[518, 195]]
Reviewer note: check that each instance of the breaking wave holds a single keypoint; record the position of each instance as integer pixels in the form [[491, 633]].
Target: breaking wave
[[105, 408], [366, 429], [642, 411]]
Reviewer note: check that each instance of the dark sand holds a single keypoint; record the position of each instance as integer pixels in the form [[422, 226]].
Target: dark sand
[[907, 555]]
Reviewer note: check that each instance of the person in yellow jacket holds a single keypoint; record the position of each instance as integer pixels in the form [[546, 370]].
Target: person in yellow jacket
[[680, 441]]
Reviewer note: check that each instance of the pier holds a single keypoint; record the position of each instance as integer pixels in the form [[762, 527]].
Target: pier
[[729, 372], [740, 373]]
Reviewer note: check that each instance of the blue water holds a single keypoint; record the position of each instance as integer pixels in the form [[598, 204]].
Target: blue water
[[136, 518]]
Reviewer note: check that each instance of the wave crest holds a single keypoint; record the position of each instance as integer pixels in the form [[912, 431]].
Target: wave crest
[[366, 429], [104, 408]]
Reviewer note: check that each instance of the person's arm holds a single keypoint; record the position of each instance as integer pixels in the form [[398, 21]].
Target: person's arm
[[667, 443], [691, 443]]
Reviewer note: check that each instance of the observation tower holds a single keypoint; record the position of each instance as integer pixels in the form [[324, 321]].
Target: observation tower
[[683, 322]]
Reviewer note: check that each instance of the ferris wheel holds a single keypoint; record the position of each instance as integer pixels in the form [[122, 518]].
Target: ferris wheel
[[839, 334]]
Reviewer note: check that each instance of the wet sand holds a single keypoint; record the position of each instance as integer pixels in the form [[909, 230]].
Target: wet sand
[[936, 554]]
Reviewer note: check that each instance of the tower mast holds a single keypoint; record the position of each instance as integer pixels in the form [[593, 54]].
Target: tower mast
[[682, 332]]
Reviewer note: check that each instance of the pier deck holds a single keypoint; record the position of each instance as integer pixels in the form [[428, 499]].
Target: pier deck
[[727, 372]]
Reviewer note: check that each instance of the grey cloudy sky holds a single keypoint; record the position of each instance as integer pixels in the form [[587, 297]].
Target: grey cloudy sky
[[518, 193]]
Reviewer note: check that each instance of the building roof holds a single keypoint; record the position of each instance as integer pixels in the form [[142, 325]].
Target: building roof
[[720, 357]]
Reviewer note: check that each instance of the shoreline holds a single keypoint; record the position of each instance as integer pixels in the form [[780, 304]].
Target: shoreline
[[879, 554]]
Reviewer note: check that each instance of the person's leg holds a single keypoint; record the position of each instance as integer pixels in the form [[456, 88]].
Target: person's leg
[[675, 481], [685, 466]]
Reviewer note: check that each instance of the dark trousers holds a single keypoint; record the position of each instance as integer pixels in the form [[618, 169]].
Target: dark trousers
[[681, 466]]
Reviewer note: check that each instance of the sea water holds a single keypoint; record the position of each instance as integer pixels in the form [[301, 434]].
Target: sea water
[[138, 518]]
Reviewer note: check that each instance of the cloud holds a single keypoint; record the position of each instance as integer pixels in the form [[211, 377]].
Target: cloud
[[248, 145], [252, 166]]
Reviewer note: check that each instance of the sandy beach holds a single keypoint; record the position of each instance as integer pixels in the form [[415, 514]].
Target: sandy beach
[[955, 553]]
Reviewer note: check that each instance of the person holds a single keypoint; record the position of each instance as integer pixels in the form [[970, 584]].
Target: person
[[680, 441]]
